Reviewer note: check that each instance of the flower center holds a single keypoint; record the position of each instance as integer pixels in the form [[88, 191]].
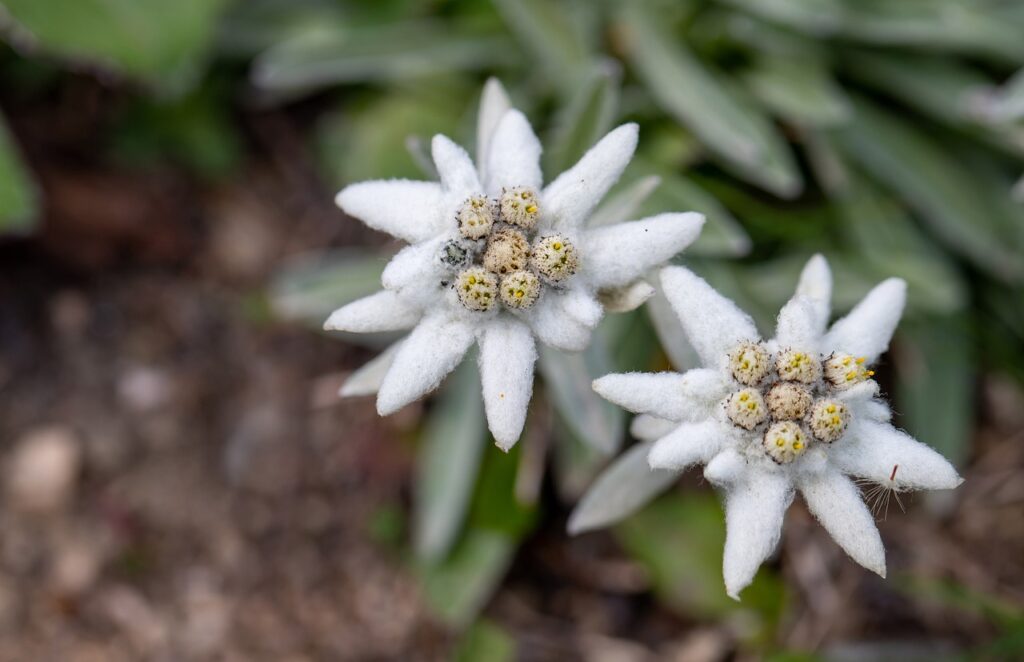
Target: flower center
[[828, 420], [746, 408], [785, 397], [788, 401], [477, 288], [797, 366], [554, 258], [520, 289], [476, 218], [785, 441], [519, 207], [494, 258], [845, 370], [750, 363]]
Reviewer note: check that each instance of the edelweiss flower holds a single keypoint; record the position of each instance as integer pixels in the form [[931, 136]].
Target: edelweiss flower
[[799, 412], [496, 258]]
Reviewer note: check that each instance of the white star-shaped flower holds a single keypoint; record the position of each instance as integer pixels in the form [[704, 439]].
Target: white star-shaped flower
[[799, 412], [498, 259]]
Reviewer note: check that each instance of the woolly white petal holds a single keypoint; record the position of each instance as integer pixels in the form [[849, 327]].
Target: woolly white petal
[[797, 326], [494, 103], [569, 199], [431, 351], [455, 168], [627, 297], [507, 355], [816, 284], [874, 410], [875, 450], [415, 272], [404, 209], [688, 444], [581, 305], [648, 428], [754, 509], [366, 379], [621, 490], [382, 311], [513, 158], [670, 395], [866, 331], [617, 254], [837, 503], [726, 468], [553, 327], [713, 324]]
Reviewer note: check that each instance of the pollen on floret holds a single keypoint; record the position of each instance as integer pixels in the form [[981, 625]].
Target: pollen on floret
[[519, 207], [519, 289], [477, 288], [746, 408], [828, 420], [750, 363], [507, 251], [476, 216], [796, 366], [555, 258], [788, 401], [785, 442], [456, 254], [845, 370]]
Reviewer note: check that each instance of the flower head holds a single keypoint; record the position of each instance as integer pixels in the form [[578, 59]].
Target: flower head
[[499, 259], [768, 418]]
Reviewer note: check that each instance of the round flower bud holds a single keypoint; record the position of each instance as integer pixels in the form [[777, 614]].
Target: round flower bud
[[519, 289], [746, 408], [828, 420], [844, 370], [785, 442], [794, 366], [507, 251], [788, 401], [519, 207], [750, 363], [555, 258], [456, 254], [477, 288], [476, 216]]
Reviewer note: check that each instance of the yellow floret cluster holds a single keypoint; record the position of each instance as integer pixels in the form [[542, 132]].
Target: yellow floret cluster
[[493, 260], [787, 396]]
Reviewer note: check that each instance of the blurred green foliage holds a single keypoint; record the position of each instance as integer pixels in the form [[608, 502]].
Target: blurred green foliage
[[889, 136]]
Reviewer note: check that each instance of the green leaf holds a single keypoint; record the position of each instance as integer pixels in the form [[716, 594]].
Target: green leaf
[[799, 89], [584, 119], [1007, 104], [679, 540], [551, 35], [939, 87], [623, 203], [485, 641], [161, 42], [457, 589], [19, 199], [728, 124], [941, 190], [568, 377], [451, 448], [312, 288], [948, 25], [333, 55], [935, 389], [369, 140]]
